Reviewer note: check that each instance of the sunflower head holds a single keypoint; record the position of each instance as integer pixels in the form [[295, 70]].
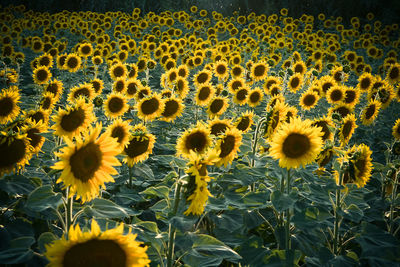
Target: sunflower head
[[173, 108], [309, 100], [217, 106], [296, 143], [259, 71], [9, 109], [72, 62], [115, 105], [218, 126], [195, 139], [228, 146], [139, 147], [150, 107], [15, 152], [347, 128], [41, 75], [118, 70]]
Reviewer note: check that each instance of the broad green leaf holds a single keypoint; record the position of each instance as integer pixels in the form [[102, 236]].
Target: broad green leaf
[[281, 201], [17, 184], [144, 172], [19, 251], [104, 208], [45, 239], [353, 213], [157, 191], [43, 198]]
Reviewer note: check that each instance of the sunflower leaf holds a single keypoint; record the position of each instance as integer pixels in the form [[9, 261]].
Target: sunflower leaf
[[43, 198], [104, 208]]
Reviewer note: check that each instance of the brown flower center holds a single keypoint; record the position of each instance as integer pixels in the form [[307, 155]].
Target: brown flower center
[[150, 106], [196, 141], [70, 122], [86, 161], [6, 106], [296, 145], [227, 146], [137, 147]]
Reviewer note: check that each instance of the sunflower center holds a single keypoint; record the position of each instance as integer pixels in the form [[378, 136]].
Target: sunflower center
[[394, 73], [52, 88], [72, 62], [95, 252], [37, 116], [370, 112], [259, 70], [34, 136], [150, 106], [298, 68], [137, 146], [236, 85], [42, 75], [45, 104], [86, 161], [82, 92], [241, 94], [254, 97], [44, 61], [85, 50], [221, 69], [296, 145], [348, 125], [361, 166], [218, 128], [365, 83], [70, 122], [325, 129], [96, 86], [131, 89], [119, 86], [309, 100], [11, 153], [196, 141], [6, 106], [294, 82], [336, 95], [243, 124], [216, 105], [115, 104], [227, 146], [204, 93], [236, 71], [343, 111], [118, 132], [118, 71], [171, 107], [202, 78], [326, 86], [350, 96]]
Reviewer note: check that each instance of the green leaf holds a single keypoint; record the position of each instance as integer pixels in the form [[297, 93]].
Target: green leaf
[[143, 171], [43, 198], [158, 191], [45, 239], [19, 251], [353, 213], [17, 184], [208, 251], [281, 201], [105, 208]]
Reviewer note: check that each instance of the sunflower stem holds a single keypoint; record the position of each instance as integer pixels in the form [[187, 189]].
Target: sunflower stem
[[68, 211], [288, 215], [171, 230], [393, 197], [130, 177], [254, 147], [337, 216]]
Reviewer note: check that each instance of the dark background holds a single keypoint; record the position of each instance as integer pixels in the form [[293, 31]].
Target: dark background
[[387, 11]]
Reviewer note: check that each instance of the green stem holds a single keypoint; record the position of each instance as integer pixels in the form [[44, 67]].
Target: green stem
[[68, 211], [337, 217], [255, 141], [172, 230], [288, 215], [393, 197], [130, 176]]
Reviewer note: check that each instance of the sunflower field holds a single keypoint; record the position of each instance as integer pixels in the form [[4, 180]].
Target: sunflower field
[[190, 138]]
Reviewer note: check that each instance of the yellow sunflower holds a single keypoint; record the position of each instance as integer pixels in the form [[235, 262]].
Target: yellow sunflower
[[181, 87], [202, 77], [85, 50], [342, 109], [15, 152], [393, 74], [183, 71], [295, 82], [228, 146], [217, 106], [235, 84], [396, 130], [72, 62], [204, 94], [351, 96], [269, 82], [132, 87], [255, 97], [327, 127], [120, 129], [245, 121], [41, 75], [325, 83], [370, 112], [119, 85], [241, 95], [139, 147], [259, 71], [173, 109], [98, 86], [360, 158], [299, 67], [115, 105], [196, 139], [74, 119], [237, 71], [9, 109], [37, 115], [47, 101], [118, 70], [335, 94], [150, 107], [218, 126], [221, 70], [347, 129], [33, 130], [276, 115], [88, 163], [365, 82], [83, 90], [45, 60], [97, 248], [56, 88], [308, 100], [296, 143]]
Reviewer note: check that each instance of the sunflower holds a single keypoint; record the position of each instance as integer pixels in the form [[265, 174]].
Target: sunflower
[[204, 94], [269, 82], [276, 114], [41, 75], [221, 70], [33, 130], [150, 107], [327, 127], [218, 126], [83, 90], [97, 60], [241, 95], [396, 130], [37, 115], [47, 101], [299, 67], [360, 158], [15, 152], [237, 71], [72, 62], [9, 109], [393, 74], [296, 143], [144, 91], [120, 129], [75, 119], [98, 86], [255, 97], [45, 60], [370, 112], [351, 96], [308, 100], [118, 70], [335, 94], [56, 88], [88, 163], [139, 147], [115, 105], [342, 109], [235, 84], [173, 109], [259, 71], [245, 121], [85, 50], [183, 71], [325, 156], [295, 82], [202, 77], [132, 87], [217, 106], [228, 146], [196, 139], [347, 129], [97, 248], [365, 82], [325, 83]]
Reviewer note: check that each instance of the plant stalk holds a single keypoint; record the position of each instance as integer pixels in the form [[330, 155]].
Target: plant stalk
[[171, 230], [337, 216], [288, 215]]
